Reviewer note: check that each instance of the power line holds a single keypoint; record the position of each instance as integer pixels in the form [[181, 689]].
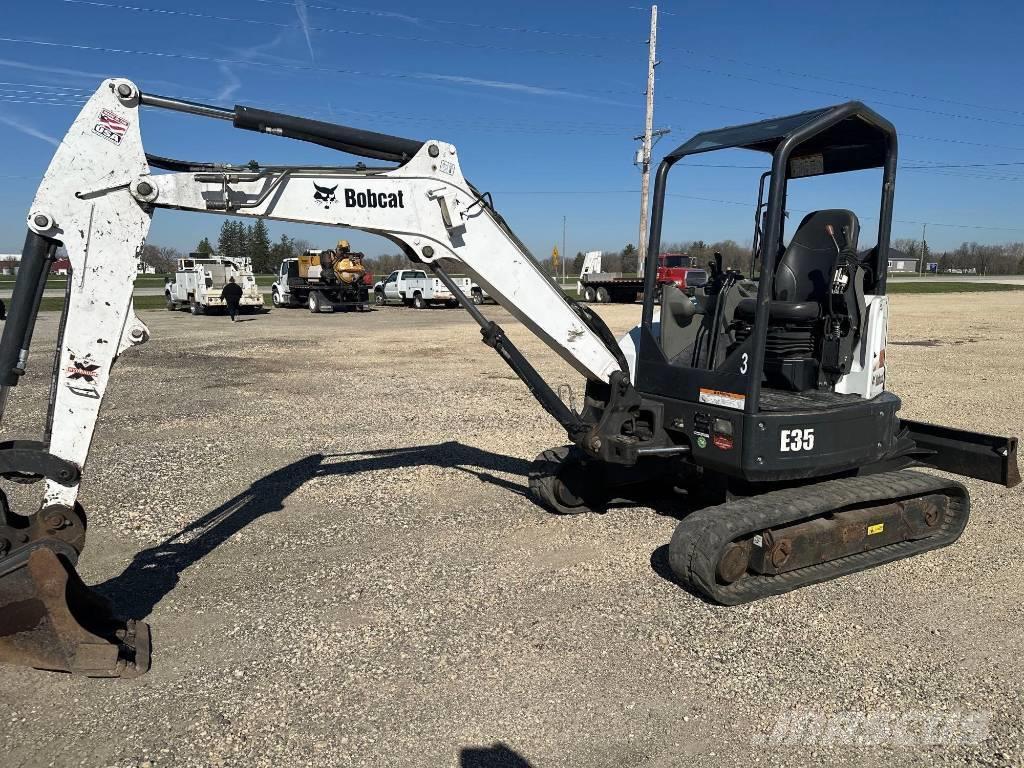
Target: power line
[[329, 30], [575, 54], [276, 65], [11, 96], [44, 85], [76, 100], [393, 15], [833, 94], [413, 77], [847, 83], [961, 141], [835, 81]]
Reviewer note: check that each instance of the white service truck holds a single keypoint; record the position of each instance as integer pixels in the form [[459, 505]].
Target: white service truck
[[413, 288], [200, 278]]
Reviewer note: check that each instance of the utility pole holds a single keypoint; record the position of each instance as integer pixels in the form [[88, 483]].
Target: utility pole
[[645, 159], [924, 229]]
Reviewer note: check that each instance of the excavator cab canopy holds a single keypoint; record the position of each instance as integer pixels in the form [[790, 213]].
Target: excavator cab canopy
[[846, 137]]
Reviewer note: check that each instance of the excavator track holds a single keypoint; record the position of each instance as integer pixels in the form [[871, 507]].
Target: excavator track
[[770, 544]]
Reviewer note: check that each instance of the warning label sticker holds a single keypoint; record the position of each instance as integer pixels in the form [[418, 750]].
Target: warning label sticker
[[723, 399]]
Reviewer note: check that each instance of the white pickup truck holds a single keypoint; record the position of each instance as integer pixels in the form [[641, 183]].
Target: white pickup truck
[[413, 288]]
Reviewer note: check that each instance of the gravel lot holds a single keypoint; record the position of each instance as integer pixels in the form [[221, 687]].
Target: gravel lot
[[325, 521]]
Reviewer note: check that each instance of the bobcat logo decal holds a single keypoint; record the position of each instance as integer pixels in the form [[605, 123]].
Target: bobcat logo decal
[[325, 195]]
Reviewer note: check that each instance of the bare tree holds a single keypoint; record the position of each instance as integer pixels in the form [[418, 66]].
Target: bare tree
[[163, 259]]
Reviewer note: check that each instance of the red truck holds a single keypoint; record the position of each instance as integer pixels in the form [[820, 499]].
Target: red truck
[[673, 268]]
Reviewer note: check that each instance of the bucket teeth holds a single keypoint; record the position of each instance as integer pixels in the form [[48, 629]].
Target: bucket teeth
[[49, 619]]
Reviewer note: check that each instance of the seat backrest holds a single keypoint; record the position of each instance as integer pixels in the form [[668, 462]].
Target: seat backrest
[[805, 269]]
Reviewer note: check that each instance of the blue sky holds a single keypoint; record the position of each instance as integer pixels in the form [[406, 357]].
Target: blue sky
[[544, 99]]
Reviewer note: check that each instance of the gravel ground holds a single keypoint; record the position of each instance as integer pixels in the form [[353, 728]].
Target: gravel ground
[[332, 541]]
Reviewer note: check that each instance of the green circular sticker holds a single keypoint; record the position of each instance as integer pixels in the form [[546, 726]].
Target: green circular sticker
[[702, 442]]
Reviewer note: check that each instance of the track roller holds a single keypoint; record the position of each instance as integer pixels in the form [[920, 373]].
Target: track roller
[[782, 540]]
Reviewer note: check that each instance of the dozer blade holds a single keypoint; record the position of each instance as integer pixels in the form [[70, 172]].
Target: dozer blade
[[49, 619]]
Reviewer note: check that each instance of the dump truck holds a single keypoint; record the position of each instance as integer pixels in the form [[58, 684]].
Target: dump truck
[[200, 278]]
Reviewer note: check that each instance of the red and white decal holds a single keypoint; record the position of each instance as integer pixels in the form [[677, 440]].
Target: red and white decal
[[111, 126]]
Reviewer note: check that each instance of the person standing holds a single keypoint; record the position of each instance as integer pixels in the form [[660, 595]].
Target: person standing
[[232, 295]]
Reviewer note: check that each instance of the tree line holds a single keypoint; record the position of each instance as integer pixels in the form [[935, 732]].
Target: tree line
[[969, 258], [237, 239]]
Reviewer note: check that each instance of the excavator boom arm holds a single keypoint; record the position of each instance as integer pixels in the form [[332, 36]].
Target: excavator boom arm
[[99, 195], [97, 200]]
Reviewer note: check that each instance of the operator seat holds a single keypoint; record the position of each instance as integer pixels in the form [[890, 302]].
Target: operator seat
[[801, 297], [804, 273]]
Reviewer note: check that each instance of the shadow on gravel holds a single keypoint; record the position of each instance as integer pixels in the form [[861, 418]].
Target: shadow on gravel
[[450, 455], [497, 756], [154, 572]]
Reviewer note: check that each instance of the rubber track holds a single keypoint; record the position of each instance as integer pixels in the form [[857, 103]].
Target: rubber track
[[699, 540], [543, 472]]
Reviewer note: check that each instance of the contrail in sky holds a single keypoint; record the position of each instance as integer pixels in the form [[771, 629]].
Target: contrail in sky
[[28, 130], [303, 14]]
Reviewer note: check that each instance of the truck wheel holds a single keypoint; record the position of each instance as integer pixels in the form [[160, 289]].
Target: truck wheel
[[275, 299], [314, 301], [478, 297], [602, 296], [589, 295], [419, 302], [378, 298], [195, 308]]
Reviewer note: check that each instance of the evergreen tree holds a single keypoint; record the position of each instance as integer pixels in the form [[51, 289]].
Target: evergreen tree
[[226, 239], [241, 240], [259, 247], [629, 258], [204, 246], [577, 263]]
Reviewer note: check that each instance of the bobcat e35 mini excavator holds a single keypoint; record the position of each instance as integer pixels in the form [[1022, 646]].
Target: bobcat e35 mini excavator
[[764, 397]]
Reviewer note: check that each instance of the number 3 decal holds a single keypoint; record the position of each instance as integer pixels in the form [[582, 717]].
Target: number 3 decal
[[796, 440], [743, 363]]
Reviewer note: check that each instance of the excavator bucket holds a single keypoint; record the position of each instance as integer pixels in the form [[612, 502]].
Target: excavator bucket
[[49, 619]]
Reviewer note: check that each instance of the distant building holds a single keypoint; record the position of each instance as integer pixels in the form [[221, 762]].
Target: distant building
[[142, 268], [901, 262], [61, 267], [9, 263]]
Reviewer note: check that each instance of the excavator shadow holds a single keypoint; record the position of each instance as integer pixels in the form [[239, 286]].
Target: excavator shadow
[[155, 571], [498, 755]]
